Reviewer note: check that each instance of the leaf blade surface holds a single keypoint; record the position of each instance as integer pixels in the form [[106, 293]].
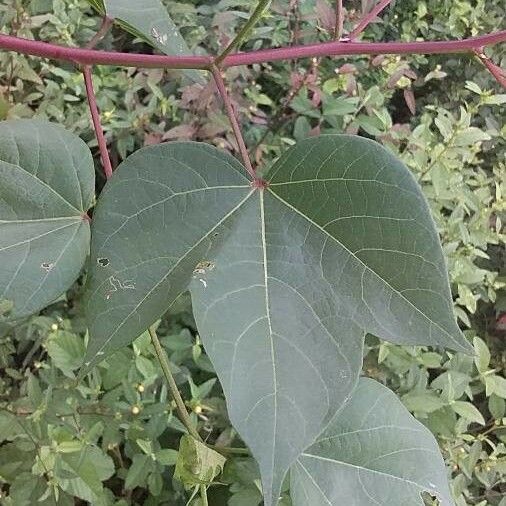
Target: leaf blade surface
[[46, 187], [373, 453]]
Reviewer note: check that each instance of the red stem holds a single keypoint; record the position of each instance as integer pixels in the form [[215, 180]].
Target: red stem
[[362, 48], [95, 116], [94, 57], [338, 30], [366, 20], [233, 120], [497, 72], [102, 32]]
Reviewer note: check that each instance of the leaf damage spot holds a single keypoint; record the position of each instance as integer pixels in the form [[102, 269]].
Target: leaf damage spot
[[47, 266], [203, 267], [160, 38], [103, 262], [116, 285]]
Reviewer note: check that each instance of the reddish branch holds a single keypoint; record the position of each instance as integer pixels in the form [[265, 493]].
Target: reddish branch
[[338, 30], [218, 78], [498, 73], [366, 20], [94, 57], [102, 32], [95, 116]]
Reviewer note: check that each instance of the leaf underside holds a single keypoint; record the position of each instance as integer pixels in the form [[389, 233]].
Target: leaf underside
[[285, 282], [373, 453], [46, 186]]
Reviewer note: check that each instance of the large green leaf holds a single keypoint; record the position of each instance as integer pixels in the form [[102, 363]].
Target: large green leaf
[[285, 281], [373, 453], [46, 186]]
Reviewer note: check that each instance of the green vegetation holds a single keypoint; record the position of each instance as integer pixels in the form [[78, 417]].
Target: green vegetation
[[113, 438]]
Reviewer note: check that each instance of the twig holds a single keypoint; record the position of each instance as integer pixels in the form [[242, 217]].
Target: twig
[[180, 406], [497, 72], [233, 120], [225, 450], [280, 118], [95, 116], [102, 32], [243, 33], [338, 30], [203, 495], [366, 20], [95, 57]]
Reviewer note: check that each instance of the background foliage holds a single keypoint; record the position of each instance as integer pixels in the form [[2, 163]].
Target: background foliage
[[112, 439]]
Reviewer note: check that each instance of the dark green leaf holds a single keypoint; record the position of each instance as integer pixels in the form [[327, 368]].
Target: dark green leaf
[[285, 282], [82, 473], [138, 472], [166, 457], [46, 187], [67, 351], [373, 452]]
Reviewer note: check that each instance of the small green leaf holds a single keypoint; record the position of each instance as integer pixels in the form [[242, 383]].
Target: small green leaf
[[67, 351], [145, 446], [422, 403], [69, 446], [47, 185], [468, 411], [496, 385], [496, 406], [482, 357], [373, 452], [166, 457], [138, 472], [81, 473], [197, 464]]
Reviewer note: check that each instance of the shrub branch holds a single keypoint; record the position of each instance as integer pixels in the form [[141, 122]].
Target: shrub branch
[[95, 116], [366, 20], [96, 57]]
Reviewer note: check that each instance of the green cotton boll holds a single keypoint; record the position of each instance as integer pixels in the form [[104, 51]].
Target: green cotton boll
[[197, 464]]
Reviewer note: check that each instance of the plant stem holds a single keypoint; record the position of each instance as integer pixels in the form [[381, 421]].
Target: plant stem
[[362, 48], [164, 363], [245, 30], [225, 450], [95, 116], [497, 72], [366, 20], [95, 57], [338, 30], [203, 495], [233, 120], [102, 32]]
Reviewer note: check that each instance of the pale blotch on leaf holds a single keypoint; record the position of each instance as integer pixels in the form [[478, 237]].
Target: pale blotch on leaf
[[116, 285], [201, 269], [47, 266]]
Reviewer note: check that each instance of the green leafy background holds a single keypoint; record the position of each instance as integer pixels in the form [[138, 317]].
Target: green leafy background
[[453, 144]]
